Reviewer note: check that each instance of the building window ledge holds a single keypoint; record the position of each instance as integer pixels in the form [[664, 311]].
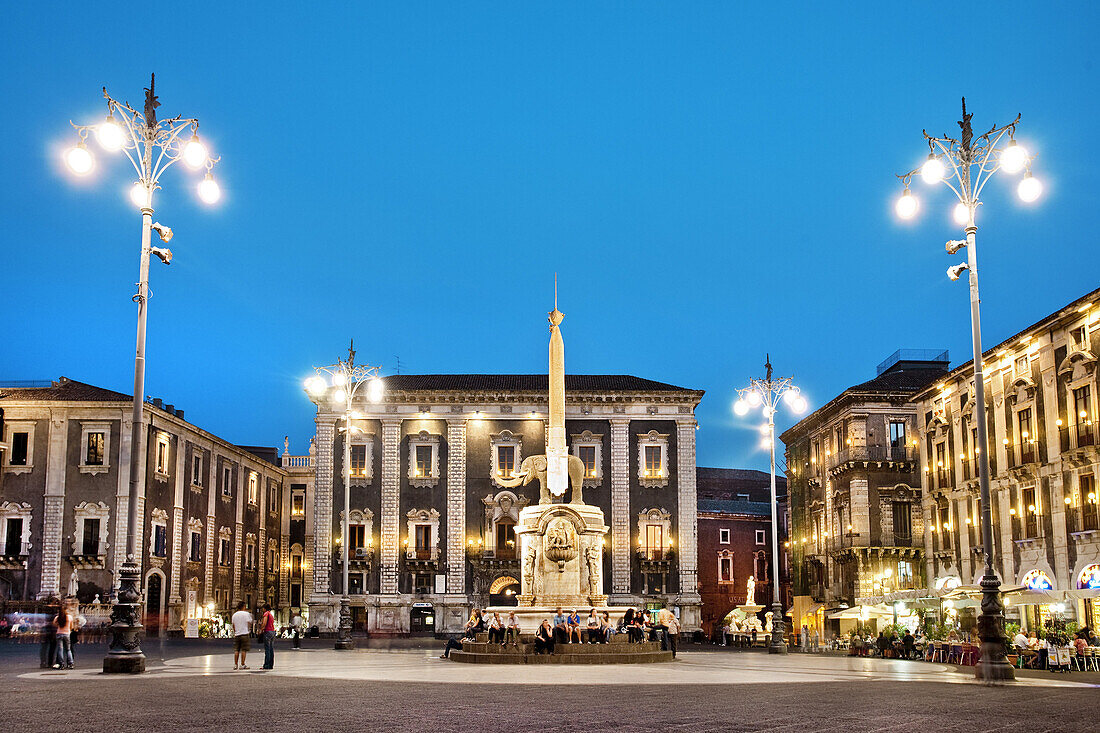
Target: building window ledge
[[18, 469], [93, 470]]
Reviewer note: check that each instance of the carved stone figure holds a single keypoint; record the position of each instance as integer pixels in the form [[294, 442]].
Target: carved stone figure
[[592, 560], [750, 592], [561, 541], [533, 467], [529, 569]]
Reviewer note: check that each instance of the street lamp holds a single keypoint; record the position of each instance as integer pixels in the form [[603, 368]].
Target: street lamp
[[152, 146], [967, 165], [340, 382], [769, 392]]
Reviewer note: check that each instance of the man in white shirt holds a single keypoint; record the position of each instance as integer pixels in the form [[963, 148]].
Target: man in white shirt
[[1020, 641], [296, 627], [242, 636]]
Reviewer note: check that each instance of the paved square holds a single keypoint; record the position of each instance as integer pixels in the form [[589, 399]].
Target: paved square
[[192, 686]]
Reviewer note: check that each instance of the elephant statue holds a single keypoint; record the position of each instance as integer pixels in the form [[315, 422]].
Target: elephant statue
[[534, 467]]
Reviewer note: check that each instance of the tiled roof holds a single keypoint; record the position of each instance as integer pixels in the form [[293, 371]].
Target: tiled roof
[[900, 380], [64, 390], [735, 506], [722, 478], [525, 383]]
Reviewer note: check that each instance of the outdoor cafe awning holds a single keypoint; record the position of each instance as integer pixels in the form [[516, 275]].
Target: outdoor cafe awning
[[858, 612]]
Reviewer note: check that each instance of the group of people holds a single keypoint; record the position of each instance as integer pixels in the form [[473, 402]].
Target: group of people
[[570, 627], [245, 625], [58, 637], [1039, 649]]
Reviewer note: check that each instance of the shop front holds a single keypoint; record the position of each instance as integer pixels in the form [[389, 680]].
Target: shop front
[[422, 619]]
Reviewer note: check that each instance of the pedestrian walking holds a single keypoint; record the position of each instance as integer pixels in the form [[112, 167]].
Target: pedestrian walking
[[48, 651], [64, 624], [673, 633], [296, 628], [804, 639], [267, 623], [242, 636]]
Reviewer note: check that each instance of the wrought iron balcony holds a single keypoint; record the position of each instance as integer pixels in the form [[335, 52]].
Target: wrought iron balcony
[[1023, 454], [1081, 434]]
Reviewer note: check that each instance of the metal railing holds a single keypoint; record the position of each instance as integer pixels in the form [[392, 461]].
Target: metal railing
[[1023, 454], [1078, 435], [422, 553]]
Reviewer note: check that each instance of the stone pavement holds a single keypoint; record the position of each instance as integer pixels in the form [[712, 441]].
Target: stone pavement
[[411, 689]]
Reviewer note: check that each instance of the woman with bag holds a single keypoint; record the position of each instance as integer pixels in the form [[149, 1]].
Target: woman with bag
[[64, 624]]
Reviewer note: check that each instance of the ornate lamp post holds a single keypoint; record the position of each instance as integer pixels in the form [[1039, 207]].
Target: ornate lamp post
[[152, 146], [965, 166], [768, 392], [341, 382]]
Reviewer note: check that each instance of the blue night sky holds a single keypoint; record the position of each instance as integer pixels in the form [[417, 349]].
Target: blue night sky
[[710, 181]]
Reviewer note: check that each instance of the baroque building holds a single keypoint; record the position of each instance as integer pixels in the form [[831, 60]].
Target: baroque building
[[1041, 410], [735, 541], [211, 513], [854, 480], [432, 523]]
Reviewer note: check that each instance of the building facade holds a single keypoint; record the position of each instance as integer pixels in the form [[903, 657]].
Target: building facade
[[432, 527], [211, 513], [735, 541], [853, 469], [1041, 393]]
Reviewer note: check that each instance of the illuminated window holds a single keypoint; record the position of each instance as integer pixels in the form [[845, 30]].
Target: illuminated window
[[653, 459], [725, 569], [588, 447], [505, 455], [253, 488], [227, 481], [358, 460], [162, 454], [93, 454], [506, 461], [723, 536], [423, 461], [298, 504], [196, 469]]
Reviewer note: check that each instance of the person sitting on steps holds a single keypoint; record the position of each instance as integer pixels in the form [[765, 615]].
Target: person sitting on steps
[[496, 630], [544, 638], [511, 630], [593, 627], [573, 628]]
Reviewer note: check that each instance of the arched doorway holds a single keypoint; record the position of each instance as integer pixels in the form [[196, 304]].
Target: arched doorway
[[503, 591], [154, 604]]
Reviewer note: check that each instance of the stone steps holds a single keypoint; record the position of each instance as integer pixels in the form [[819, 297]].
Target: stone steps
[[479, 647], [612, 656]]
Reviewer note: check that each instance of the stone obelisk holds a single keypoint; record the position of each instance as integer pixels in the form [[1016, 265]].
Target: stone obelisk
[[557, 454]]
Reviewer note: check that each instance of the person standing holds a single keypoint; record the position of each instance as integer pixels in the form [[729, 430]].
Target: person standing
[[804, 639], [268, 625], [48, 652], [296, 628], [242, 635], [64, 624]]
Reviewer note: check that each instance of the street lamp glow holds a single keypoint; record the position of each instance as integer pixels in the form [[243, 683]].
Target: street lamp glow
[[906, 205], [139, 194], [932, 171], [798, 405], [1014, 158], [339, 380], [338, 396], [109, 134], [209, 191], [961, 214], [753, 398], [79, 160], [1030, 188], [315, 386], [740, 407], [374, 390], [194, 152]]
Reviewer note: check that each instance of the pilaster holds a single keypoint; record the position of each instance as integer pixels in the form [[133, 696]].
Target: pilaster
[[54, 515], [620, 506], [176, 552], [390, 533], [322, 510], [1059, 535], [456, 505], [687, 512]]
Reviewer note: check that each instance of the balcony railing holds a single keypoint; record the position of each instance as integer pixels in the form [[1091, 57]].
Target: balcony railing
[[943, 478], [1078, 435], [290, 461], [1023, 454], [17, 549], [875, 453], [422, 553], [654, 554]]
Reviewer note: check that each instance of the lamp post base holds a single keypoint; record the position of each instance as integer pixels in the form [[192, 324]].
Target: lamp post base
[[992, 666], [344, 641], [125, 655], [778, 643]]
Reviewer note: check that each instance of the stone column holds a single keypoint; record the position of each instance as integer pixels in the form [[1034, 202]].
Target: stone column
[[861, 509], [1004, 520], [620, 507], [1059, 535], [687, 514], [209, 579], [322, 512], [176, 554], [237, 566], [926, 510], [456, 505], [390, 532], [961, 530], [53, 521], [122, 493]]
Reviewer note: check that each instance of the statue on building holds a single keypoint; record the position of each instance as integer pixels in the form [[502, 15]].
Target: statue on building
[[750, 592], [592, 560]]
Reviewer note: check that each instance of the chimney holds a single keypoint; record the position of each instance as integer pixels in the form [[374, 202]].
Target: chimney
[[170, 409], [179, 414], [157, 402]]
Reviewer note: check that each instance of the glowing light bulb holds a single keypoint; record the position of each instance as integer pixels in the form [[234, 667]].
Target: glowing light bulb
[[799, 405], [79, 160], [194, 152], [932, 171], [374, 390], [1014, 158], [1029, 189], [906, 205], [753, 398], [109, 134], [139, 194], [338, 396], [209, 191], [961, 214], [338, 379], [315, 386], [740, 407]]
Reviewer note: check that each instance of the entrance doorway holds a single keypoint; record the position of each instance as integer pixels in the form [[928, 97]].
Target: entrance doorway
[[154, 606], [422, 620], [358, 620]]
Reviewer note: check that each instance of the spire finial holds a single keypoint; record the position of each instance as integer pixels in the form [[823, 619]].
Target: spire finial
[[768, 366], [351, 353], [555, 291]]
